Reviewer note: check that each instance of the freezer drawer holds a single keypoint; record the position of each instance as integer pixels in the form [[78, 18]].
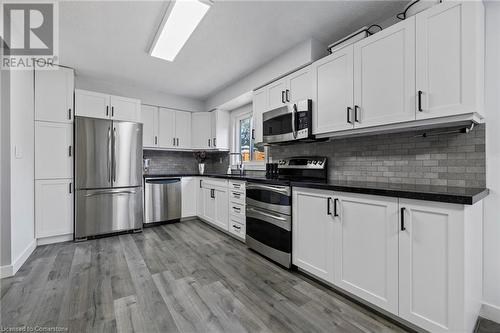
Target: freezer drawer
[[108, 210], [162, 199]]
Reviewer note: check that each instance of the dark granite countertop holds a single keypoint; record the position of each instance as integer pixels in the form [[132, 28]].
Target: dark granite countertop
[[448, 194]]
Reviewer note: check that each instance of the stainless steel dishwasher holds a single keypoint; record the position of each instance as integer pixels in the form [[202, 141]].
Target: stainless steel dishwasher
[[162, 200]]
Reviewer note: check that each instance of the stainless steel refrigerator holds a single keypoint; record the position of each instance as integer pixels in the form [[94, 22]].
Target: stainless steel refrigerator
[[108, 176]]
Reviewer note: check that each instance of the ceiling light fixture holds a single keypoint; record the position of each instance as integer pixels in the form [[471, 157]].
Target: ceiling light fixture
[[179, 22]]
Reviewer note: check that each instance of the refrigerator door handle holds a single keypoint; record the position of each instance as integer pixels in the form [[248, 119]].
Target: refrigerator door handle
[[109, 154], [114, 154]]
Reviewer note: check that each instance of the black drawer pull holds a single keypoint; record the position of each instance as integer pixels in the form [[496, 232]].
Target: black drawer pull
[[335, 207], [403, 209], [349, 109], [328, 210], [420, 101]]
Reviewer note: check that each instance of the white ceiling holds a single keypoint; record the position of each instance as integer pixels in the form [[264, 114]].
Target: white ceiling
[[109, 39]]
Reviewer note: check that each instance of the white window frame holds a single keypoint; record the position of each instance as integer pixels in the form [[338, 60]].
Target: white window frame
[[236, 116]]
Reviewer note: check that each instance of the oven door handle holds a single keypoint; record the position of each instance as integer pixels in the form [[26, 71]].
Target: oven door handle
[[294, 121], [281, 190], [272, 216]]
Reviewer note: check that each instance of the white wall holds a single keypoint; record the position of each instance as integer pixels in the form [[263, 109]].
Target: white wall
[[296, 57], [146, 96], [491, 260], [22, 166]]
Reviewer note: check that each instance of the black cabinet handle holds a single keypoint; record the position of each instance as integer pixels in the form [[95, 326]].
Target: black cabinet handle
[[237, 208], [107, 110], [282, 96], [156, 140], [236, 227], [209, 142], [287, 94], [356, 108], [200, 182], [177, 142], [69, 114], [253, 134], [403, 209], [112, 111], [420, 100], [349, 109], [328, 211], [69, 151], [335, 207], [70, 188]]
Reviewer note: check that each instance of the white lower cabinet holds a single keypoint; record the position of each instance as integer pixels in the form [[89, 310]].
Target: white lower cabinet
[[53, 208], [189, 196], [366, 248], [313, 232], [215, 206], [419, 260]]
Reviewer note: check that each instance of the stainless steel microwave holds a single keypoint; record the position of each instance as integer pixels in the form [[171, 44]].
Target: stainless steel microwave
[[288, 123]]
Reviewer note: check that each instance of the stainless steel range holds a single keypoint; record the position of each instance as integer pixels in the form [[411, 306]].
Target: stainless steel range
[[269, 207]]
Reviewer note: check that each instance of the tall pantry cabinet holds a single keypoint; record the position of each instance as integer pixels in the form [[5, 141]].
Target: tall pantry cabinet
[[54, 155]]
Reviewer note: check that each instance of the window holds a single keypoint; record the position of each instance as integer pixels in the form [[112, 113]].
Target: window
[[252, 153]]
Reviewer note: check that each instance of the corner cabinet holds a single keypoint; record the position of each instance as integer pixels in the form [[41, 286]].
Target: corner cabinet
[[418, 260], [99, 105], [450, 65], [210, 130]]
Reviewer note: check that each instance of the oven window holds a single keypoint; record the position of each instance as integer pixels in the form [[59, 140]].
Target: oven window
[[269, 197], [269, 234], [278, 125]]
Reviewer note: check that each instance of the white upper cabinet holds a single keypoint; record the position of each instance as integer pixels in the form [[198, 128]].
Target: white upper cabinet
[[334, 96], [313, 237], [98, 105], [166, 128], [53, 150], [220, 129], [449, 63], [182, 129], [384, 76], [366, 248], [54, 95], [91, 104], [259, 106], [276, 93], [299, 85], [126, 109], [149, 115], [201, 130]]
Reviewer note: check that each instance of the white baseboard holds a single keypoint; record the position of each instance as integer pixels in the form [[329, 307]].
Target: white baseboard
[[23, 257], [54, 239], [5, 271], [491, 312]]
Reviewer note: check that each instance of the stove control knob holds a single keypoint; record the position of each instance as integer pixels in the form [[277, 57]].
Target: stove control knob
[[315, 162], [320, 162]]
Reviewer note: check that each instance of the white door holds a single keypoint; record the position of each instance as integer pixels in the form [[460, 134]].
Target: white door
[[300, 85], [276, 93], [334, 94], [447, 62], [201, 130], [126, 109], [166, 128], [53, 150], [366, 248], [313, 225], [183, 129], [221, 208], [189, 196], [149, 118], [209, 205], [92, 104], [259, 106], [384, 76], [53, 208], [54, 95], [430, 260]]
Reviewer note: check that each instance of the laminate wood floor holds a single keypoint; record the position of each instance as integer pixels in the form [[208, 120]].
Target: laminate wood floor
[[183, 277]]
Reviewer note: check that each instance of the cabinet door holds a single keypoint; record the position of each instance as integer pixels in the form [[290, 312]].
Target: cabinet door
[[200, 200], [312, 232], [126, 109], [430, 260], [53, 207], [221, 129], [259, 106], [53, 150], [91, 104], [183, 129], [300, 85], [201, 130], [149, 118], [449, 40], [276, 93], [384, 76], [366, 248], [221, 208], [166, 128], [189, 196], [54, 95], [334, 99], [209, 206]]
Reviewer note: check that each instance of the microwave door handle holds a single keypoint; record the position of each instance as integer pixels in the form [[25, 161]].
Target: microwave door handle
[[294, 114]]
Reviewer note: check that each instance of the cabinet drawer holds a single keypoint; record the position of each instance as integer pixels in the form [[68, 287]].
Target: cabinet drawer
[[237, 197], [237, 210], [237, 229], [237, 186], [212, 182]]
